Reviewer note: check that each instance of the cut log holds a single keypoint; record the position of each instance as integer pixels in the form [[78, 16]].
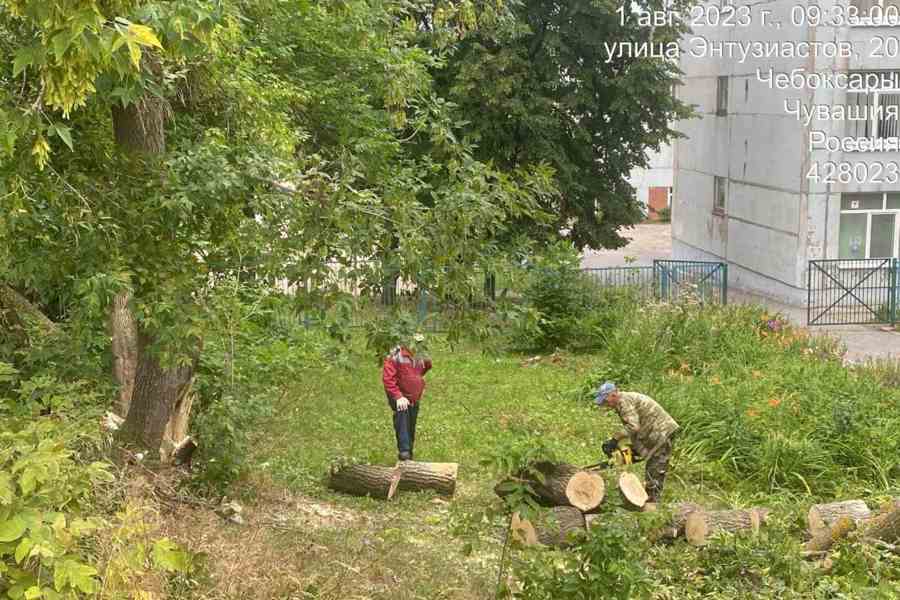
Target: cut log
[[675, 530], [558, 528], [701, 524], [633, 493], [825, 537], [418, 476], [564, 485], [365, 480], [885, 527], [823, 516]]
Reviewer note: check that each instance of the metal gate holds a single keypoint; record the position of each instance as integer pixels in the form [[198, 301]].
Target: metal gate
[[852, 291], [705, 280]]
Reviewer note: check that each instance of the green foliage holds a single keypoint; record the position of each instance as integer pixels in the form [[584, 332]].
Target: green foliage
[[664, 214], [45, 516], [609, 559]]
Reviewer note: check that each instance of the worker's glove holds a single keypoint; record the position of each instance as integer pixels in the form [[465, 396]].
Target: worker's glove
[[402, 403], [610, 446]]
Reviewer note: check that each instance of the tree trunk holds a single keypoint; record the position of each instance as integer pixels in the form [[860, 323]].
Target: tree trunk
[[123, 331], [140, 127], [18, 316], [825, 537], [365, 480], [822, 516], [558, 528], [634, 495], [565, 485], [701, 524], [158, 392], [417, 476]]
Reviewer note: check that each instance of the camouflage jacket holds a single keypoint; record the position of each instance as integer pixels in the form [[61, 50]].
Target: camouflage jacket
[[646, 422]]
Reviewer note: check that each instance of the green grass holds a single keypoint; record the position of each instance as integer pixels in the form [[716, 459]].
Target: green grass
[[773, 421]]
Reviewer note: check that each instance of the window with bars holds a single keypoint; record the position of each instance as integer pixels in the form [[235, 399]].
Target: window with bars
[[722, 95], [720, 191]]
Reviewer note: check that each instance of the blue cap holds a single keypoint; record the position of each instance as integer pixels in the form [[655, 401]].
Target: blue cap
[[605, 390]]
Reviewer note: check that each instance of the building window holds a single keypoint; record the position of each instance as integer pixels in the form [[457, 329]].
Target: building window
[[669, 193], [879, 10], [870, 225], [720, 191], [722, 95], [876, 111]]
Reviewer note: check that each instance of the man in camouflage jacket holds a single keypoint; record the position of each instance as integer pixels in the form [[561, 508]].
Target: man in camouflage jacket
[[650, 428]]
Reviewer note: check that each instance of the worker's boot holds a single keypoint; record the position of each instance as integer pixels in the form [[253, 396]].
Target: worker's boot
[[405, 456]]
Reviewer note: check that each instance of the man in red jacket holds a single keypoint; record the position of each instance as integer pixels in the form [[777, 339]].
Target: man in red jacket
[[403, 377]]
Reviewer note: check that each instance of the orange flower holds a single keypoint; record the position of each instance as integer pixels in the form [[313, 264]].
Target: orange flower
[[774, 402], [752, 412]]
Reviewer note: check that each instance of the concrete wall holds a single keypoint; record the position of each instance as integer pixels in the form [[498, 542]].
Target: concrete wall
[[659, 174]]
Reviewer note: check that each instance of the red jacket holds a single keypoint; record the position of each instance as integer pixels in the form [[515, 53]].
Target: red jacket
[[403, 375]]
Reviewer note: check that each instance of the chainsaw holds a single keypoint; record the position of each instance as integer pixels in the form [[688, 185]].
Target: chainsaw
[[617, 457]]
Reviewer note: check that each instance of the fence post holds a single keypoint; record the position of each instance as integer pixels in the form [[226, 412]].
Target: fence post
[[892, 302], [809, 272], [724, 284]]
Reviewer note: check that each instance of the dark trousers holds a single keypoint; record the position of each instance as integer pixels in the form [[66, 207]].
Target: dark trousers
[[405, 426], [656, 469]]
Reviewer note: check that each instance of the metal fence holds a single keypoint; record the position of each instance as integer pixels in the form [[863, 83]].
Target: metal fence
[[853, 291], [665, 281]]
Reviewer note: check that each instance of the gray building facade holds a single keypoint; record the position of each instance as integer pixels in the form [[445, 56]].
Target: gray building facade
[[771, 176]]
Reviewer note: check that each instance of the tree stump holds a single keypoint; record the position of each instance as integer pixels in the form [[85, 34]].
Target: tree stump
[[633, 493], [825, 537], [701, 524], [823, 516], [365, 480], [558, 528], [418, 476], [564, 485]]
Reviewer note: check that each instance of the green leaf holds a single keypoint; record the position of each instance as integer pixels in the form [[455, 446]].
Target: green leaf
[[23, 549], [33, 592], [143, 35], [12, 529], [65, 134], [169, 555], [7, 491], [24, 58]]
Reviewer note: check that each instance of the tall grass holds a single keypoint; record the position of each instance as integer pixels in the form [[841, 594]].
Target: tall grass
[[766, 400]]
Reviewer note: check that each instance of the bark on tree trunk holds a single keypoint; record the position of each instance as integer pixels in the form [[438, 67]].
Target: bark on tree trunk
[[123, 330], [157, 394], [365, 480], [822, 516], [566, 485], [140, 127], [825, 537], [701, 524], [18, 315], [418, 476], [885, 527], [557, 529]]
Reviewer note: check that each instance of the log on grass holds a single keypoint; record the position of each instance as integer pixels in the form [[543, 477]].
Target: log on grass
[[701, 524], [633, 493], [418, 476], [825, 537], [885, 527], [675, 529], [823, 516], [365, 480], [558, 528], [563, 485]]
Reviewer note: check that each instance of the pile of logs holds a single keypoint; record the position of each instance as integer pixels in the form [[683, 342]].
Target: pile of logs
[[574, 495], [829, 523], [384, 482]]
